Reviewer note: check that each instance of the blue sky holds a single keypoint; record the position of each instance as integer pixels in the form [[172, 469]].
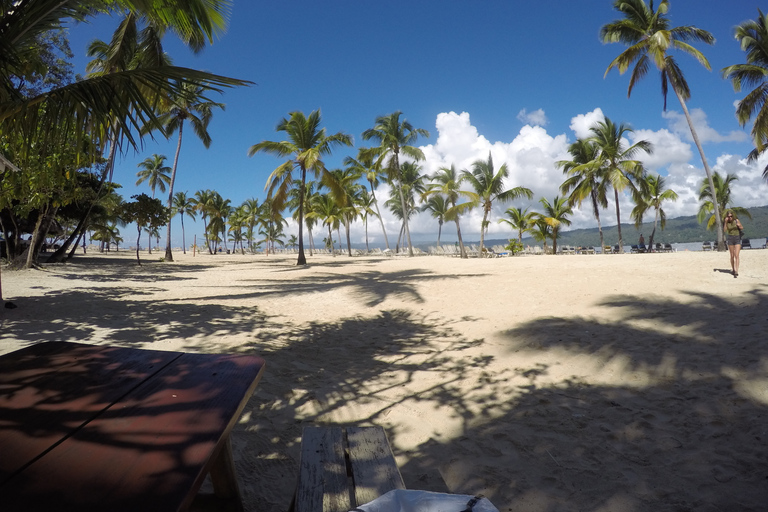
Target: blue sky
[[519, 79]]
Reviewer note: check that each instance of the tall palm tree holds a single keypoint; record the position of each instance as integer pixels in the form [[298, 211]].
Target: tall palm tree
[[753, 37], [615, 160], [326, 208], [251, 207], [306, 145], [202, 201], [183, 205], [349, 202], [154, 172], [649, 37], [585, 179], [651, 193], [92, 106], [394, 137], [520, 220], [489, 187], [365, 165], [189, 104], [722, 200], [366, 204], [447, 182], [555, 215], [219, 211]]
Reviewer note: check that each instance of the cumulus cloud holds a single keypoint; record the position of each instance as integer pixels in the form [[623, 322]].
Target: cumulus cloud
[[583, 122], [679, 125], [535, 118]]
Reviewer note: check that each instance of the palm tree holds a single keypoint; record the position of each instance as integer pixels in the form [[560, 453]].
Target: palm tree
[[366, 203], [183, 205], [541, 230], [349, 201], [489, 187], [92, 106], [437, 206], [219, 210], [394, 137], [585, 179], [307, 143], [521, 220], [364, 164], [447, 182], [188, 104], [650, 37], [753, 37], [202, 201], [615, 160], [651, 193], [556, 215], [326, 208], [252, 209], [154, 173], [723, 202]]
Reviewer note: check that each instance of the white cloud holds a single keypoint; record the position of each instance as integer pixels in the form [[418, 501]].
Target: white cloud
[[583, 122], [535, 118], [679, 125]]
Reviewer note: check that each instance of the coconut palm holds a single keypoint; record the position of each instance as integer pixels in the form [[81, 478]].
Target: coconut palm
[[326, 208], [202, 202], [753, 37], [649, 37], [154, 172], [651, 192], [364, 164], [411, 187], [585, 179], [251, 208], [219, 210], [394, 137], [306, 144], [723, 202], [188, 104], [115, 104], [540, 230], [555, 215], [489, 187], [447, 182], [615, 160], [366, 203], [520, 220], [349, 202], [437, 206], [183, 205]]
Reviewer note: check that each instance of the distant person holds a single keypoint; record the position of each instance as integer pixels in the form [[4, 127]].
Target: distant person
[[733, 228], [642, 240]]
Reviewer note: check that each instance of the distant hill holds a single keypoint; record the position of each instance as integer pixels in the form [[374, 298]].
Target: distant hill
[[677, 230]]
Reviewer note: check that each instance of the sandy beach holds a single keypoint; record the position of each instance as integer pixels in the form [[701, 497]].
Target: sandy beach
[[634, 382]]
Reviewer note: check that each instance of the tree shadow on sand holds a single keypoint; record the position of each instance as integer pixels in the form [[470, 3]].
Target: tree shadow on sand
[[680, 425]]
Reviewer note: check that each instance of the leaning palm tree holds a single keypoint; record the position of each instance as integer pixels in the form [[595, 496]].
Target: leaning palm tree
[[585, 179], [365, 165], [447, 182], [489, 187], [520, 220], [650, 193], [189, 104], [615, 160], [154, 172], [555, 215], [394, 137], [650, 37], [183, 205], [306, 145], [722, 200], [753, 37]]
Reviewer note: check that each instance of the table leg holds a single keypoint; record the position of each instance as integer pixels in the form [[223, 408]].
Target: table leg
[[223, 475]]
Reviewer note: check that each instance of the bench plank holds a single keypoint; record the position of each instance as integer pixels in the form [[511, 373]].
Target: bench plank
[[323, 482], [374, 470]]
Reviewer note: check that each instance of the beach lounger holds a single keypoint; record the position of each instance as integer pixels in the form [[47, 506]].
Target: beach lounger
[[706, 246], [668, 248], [746, 244], [607, 249]]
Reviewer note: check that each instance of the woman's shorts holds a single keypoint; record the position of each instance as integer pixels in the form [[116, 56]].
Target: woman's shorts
[[733, 240]]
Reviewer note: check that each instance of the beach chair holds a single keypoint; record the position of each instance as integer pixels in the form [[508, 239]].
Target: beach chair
[[616, 249], [607, 249], [746, 244], [642, 248], [668, 248], [706, 246], [659, 247], [590, 250], [634, 249]]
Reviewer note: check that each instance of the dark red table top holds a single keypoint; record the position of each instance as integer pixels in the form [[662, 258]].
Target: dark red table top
[[85, 427]]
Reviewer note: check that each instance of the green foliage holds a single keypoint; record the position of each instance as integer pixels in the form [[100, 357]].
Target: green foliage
[[514, 246]]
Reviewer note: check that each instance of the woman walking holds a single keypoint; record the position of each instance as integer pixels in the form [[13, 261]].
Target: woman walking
[[733, 229]]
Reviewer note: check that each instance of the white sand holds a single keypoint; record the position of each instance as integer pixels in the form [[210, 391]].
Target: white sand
[[590, 383]]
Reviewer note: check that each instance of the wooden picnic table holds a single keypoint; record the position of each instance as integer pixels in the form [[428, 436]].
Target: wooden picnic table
[[85, 427]]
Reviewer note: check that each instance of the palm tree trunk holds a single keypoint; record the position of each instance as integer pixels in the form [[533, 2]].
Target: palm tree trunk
[[183, 236], [718, 219], [349, 245], [618, 221], [168, 252], [482, 230], [655, 221], [554, 240], [596, 211], [302, 260], [403, 205], [461, 242], [378, 214], [439, 231]]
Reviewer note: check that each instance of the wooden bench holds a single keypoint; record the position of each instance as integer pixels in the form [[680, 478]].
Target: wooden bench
[[342, 468]]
